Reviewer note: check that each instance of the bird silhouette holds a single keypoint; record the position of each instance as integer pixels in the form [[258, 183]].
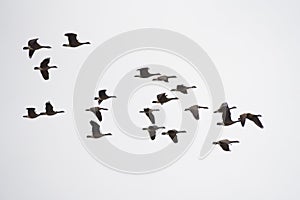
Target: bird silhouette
[[173, 134], [162, 98], [195, 110], [226, 115], [33, 45], [224, 144], [182, 88], [49, 110], [144, 73], [252, 117], [97, 111], [149, 113], [44, 67], [152, 130], [31, 114], [96, 133], [163, 78], [103, 96], [73, 42]]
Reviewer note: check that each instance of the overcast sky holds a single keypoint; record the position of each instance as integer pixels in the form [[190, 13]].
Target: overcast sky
[[254, 46]]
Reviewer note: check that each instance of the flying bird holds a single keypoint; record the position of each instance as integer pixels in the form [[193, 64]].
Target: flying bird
[[182, 88], [97, 111], [226, 115], [50, 111], [31, 113], [73, 42], [195, 110], [252, 117], [162, 98], [173, 134], [103, 96], [163, 78], [44, 67], [224, 144], [96, 133], [144, 73], [152, 130], [33, 45], [149, 113]]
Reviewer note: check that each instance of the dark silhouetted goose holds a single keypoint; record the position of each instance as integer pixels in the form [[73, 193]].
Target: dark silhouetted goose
[[252, 117], [195, 110], [149, 114], [173, 134], [182, 88], [97, 112], [162, 98], [31, 113], [163, 78], [33, 45], [50, 111], [73, 42], [144, 73], [152, 130], [96, 133], [224, 144], [103, 96], [224, 107], [44, 67]]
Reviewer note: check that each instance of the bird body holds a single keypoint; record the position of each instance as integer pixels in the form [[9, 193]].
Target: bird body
[[252, 117], [96, 133], [149, 113], [144, 73], [103, 96], [224, 144], [152, 130], [163, 78], [33, 45], [173, 134], [97, 112], [50, 111], [44, 67], [162, 98], [195, 110], [182, 88], [31, 113], [73, 41]]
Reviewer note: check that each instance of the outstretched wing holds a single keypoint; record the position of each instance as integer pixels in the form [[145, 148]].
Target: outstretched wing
[[224, 146], [195, 113], [33, 43], [98, 115], [151, 117], [31, 52], [72, 38], [243, 119], [95, 128], [152, 134], [49, 107], [173, 136], [31, 111], [45, 62], [256, 120], [162, 97], [45, 74], [102, 94], [144, 71]]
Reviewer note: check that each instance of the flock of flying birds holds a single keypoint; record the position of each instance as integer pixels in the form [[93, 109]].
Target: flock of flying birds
[[161, 99]]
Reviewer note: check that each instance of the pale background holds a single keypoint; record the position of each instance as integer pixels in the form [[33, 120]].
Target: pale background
[[254, 45]]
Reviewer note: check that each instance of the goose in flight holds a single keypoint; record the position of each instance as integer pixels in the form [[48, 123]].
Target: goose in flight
[[73, 42], [144, 73], [152, 130], [162, 98], [195, 110], [224, 107], [163, 78], [224, 144], [226, 116], [103, 96], [149, 114], [49, 110], [31, 113], [33, 45], [182, 88], [97, 111], [44, 67], [173, 134], [252, 117], [96, 133]]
